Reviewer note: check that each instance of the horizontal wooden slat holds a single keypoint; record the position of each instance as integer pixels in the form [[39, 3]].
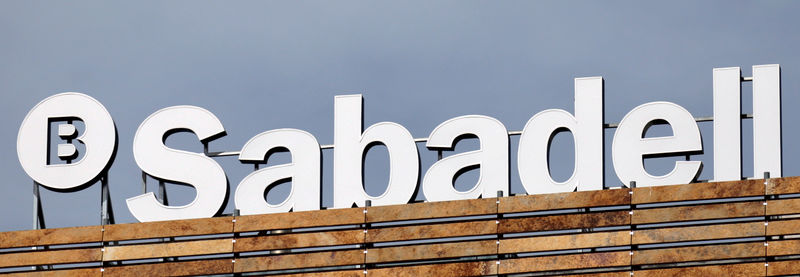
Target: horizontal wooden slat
[[748, 269], [432, 231], [561, 222], [298, 240], [571, 241], [698, 212], [51, 236], [449, 269], [281, 221], [783, 206], [783, 247], [170, 249], [305, 260], [432, 210], [189, 268], [783, 227], [341, 273], [45, 257], [698, 191], [567, 200], [564, 262], [604, 274], [161, 229], [431, 251], [785, 185], [698, 253], [721, 231], [780, 268], [79, 272]]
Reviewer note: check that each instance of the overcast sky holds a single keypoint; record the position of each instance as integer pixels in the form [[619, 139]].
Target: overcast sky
[[265, 65]]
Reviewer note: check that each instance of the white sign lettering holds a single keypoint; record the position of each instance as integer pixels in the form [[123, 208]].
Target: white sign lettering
[[351, 141]]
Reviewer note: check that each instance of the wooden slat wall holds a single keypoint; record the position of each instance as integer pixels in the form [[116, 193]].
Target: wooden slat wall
[[745, 228]]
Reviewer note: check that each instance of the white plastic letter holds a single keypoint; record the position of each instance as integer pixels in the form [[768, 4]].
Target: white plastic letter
[[492, 158], [630, 146], [195, 169], [727, 124], [587, 129], [767, 120], [350, 144], [99, 137], [304, 171]]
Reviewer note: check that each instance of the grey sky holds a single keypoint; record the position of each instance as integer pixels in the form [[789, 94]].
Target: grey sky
[[266, 65]]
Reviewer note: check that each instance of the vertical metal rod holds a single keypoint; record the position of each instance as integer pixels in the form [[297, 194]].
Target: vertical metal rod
[[366, 246], [162, 196], [38, 217], [104, 198], [36, 206], [144, 182], [498, 235], [162, 193], [439, 155]]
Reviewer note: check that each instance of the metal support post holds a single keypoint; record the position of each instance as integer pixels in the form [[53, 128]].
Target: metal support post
[[162, 193], [38, 215], [38, 219], [144, 182], [106, 210], [162, 196]]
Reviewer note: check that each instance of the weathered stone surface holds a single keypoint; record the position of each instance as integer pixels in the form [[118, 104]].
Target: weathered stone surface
[[698, 253], [780, 268], [749, 270], [450, 269], [291, 220], [50, 257], [162, 229], [170, 249], [305, 260], [783, 227], [721, 231], [431, 251], [189, 268], [567, 200], [299, 240], [783, 206], [561, 222], [432, 210], [785, 185], [432, 231], [571, 241], [80, 272], [698, 191], [698, 212], [783, 247], [563, 262], [51, 236]]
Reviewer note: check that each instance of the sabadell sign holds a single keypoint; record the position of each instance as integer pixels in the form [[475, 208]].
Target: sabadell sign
[[629, 147]]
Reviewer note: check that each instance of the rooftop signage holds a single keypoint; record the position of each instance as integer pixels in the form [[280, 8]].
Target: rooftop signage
[[351, 140]]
